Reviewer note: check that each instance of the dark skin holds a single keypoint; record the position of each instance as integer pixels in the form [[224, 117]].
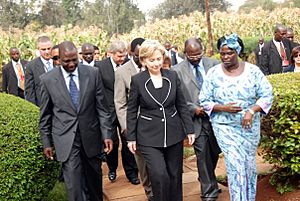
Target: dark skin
[[135, 55], [280, 34], [88, 52], [14, 54], [194, 51], [232, 67], [69, 61]]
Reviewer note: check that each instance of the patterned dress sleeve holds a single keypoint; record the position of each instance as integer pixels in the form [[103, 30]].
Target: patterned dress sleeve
[[264, 92], [206, 98]]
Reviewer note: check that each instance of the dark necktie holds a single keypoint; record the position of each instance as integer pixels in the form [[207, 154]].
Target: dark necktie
[[74, 93], [198, 76]]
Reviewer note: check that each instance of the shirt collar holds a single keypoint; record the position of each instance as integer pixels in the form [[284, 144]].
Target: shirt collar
[[88, 64], [67, 74], [14, 62], [200, 64], [46, 61]]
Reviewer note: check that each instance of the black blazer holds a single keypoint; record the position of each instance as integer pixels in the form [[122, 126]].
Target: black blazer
[[9, 78], [34, 70], [258, 55], [290, 68], [153, 122], [271, 60]]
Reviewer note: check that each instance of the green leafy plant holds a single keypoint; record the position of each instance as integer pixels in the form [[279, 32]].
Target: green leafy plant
[[280, 131], [25, 173]]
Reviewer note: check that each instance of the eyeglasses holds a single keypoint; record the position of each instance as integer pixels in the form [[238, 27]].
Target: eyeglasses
[[195, 57], [55, 58], [296, 56]]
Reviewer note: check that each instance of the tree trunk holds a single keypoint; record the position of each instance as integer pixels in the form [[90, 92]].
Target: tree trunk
[[210, 37]]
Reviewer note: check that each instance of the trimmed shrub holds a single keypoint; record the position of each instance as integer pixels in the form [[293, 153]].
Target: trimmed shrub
[[25, 173], [280, 131]]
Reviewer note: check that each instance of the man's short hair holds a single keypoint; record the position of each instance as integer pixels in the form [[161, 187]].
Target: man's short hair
[[117, 46]]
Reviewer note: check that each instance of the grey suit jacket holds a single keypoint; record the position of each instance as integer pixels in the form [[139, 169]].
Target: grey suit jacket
[[60, 119], [121, 90], [34, 70], [191, 90]]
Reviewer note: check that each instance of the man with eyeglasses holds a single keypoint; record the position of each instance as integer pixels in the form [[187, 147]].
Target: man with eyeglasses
[[36, 68], [192, 73]]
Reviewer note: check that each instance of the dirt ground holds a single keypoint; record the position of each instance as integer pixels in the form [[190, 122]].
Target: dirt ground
[[266, 192]]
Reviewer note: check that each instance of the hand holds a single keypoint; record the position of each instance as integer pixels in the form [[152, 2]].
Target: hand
[[231, 108], [132, 146], [48, 153], [108, 145], [199, 111], [191, 138], [247, 120], [124, 132]]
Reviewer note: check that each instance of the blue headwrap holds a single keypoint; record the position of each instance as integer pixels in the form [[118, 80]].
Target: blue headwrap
[[232, 42]]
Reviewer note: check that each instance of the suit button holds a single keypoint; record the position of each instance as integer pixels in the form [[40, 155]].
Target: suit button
[[162, 120], [160, 108]]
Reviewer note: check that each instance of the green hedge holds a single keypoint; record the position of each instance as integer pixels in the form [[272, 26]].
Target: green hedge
[[24, 172], [281, 131]]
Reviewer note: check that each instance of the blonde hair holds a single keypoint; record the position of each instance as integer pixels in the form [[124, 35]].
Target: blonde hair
[[148, 48]]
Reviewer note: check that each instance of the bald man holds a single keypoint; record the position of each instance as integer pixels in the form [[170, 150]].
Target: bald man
[[192, 73], [74, 114]]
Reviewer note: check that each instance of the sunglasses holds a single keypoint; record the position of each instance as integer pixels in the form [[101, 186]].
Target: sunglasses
[[55, 58]]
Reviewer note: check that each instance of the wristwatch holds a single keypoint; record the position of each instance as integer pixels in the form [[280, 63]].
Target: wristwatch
[[251, 111]]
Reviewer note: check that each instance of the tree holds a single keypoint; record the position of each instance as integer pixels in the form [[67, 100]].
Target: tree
[[251, 4], [72, 10], [174, 8], [115, 16], [14, 14], [51, 15]]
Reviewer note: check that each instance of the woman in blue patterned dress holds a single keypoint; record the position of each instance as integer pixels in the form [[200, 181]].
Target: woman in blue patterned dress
[[234, 95]]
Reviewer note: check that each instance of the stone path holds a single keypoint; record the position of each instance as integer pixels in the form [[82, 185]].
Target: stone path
[[123, 190]]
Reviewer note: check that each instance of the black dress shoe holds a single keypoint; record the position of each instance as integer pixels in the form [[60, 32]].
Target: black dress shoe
[[112, 176], [135, 181]]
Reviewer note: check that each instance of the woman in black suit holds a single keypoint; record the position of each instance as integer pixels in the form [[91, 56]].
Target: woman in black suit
[[294, 61], [158, 121]]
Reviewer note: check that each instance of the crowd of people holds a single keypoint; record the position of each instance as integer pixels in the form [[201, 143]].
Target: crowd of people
[[151, 99]]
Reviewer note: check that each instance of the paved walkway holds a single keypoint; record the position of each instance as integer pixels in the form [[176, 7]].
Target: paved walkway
[[123, 190]]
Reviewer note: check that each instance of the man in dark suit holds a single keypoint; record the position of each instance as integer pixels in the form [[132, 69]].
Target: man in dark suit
[[192, 72], [36, 68], [73, 113], [175, 59], [107, 69], [258, 51], [276, 52], [13, 74], [88, 53]]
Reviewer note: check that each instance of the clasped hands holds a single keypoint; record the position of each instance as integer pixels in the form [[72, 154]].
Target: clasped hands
[[232, 108]]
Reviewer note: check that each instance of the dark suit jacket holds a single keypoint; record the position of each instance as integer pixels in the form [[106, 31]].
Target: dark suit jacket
[[60, 119], [290, 68], [159, 123], [34, 70], [258, 56], [191, 90], [271, 60], [173, 58], [9, 78], [107, 75]]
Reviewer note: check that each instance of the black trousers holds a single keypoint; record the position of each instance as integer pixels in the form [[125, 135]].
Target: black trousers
[[81, 172], [207, 151], [128, 159], [165, 169]]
